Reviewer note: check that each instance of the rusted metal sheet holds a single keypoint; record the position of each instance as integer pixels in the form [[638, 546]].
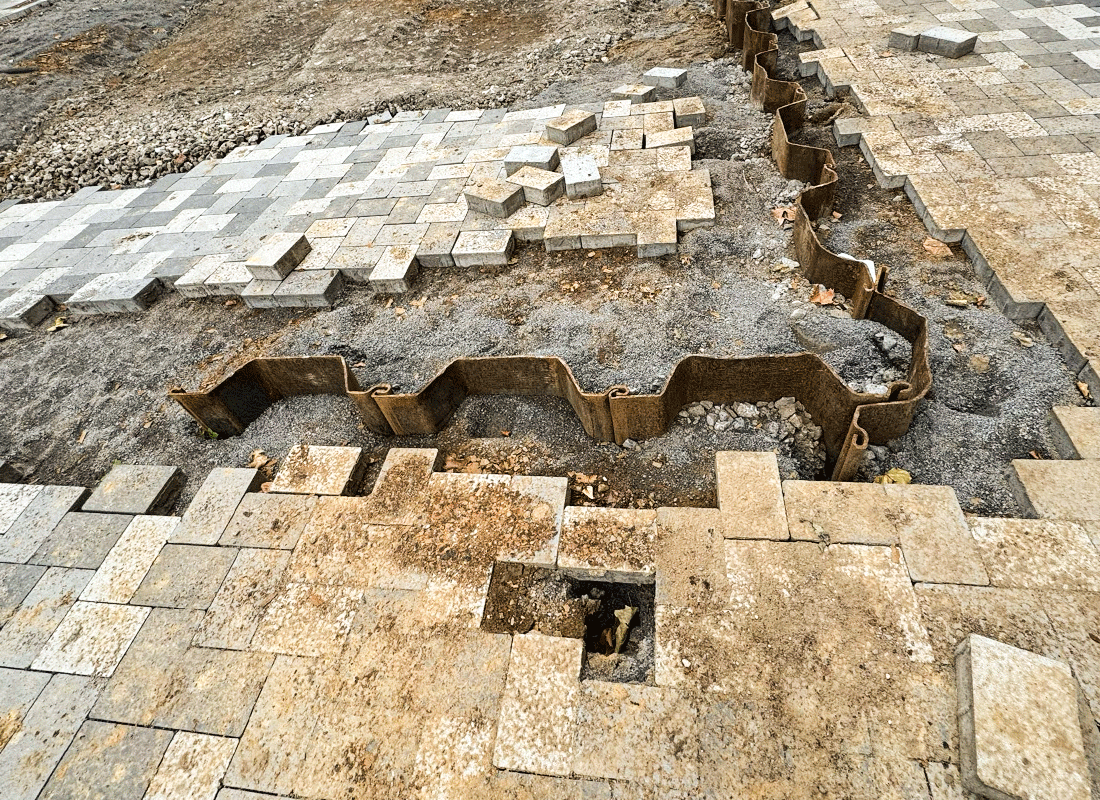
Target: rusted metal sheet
[[849, 420]]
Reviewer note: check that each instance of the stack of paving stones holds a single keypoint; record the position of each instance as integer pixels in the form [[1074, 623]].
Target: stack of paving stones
[[315, 641], [286, 222], [998, 147]]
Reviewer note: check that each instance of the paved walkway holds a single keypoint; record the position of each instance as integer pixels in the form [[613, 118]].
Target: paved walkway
[[316, 645], [999, 149]]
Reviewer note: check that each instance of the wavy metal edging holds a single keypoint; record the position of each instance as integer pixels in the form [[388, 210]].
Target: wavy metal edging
[[849, 420]]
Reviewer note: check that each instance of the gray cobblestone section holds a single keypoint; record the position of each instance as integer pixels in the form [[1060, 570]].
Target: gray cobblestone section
[[286, 222]]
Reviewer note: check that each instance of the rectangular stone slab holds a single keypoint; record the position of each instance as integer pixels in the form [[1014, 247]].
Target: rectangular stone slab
[[278, 255], [214, 505], [570, 126], [1019, 732], [531, 155], [665, 77], [135, 489], [541, 187], [482, 248], [582, 177]]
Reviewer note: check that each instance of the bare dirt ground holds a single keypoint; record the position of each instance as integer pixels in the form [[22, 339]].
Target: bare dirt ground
[[75, 400]]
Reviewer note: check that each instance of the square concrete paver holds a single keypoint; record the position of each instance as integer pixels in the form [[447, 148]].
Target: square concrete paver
[[108, 762], [934, 535], [135, 489], [14, 498], [538, 715], [185, 576], [53, 720], [38, 616], [192, 768], [269, 520], [81, 540], [1059, 489], [91, 639], [313, 469]]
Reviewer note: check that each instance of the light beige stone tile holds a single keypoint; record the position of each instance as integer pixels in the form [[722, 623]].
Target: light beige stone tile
[[91, 639], [750, 496], [269, 520], [193, 767], [838, 513], [316, 469], [608, 543], [256, 578], [36, 619], [539, 711], [217, 498], [690, 558], [1037, 553], [129, 560], [307, 620], [934, 535], [1061, 489]]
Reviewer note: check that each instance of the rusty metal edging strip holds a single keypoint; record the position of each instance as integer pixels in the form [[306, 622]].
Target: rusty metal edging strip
[[849, 420]]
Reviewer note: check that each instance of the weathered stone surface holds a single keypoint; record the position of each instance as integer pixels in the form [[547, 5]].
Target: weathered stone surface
[[38, 616], [944, 41], [314, 288], [847, 513], [256, 578], [750, 496], [306, 619], [1019, 729], [91, 639], [634, 92], [192, 768], [125, 566], [582, 177], [540, 186], [483, 248], [108, 762], [31, 528], [690, 558], [934, 535], [616, 544], [268, 520], [539, 710], [164, 681], [494, 198], [14, 498], [907, 37], [677, 137], [1058, 489], [214, 504], [1078, 431], [541, 157], [16, 581], [135, 489], [279, 254], [184, 576], [1037, 553], [395, 269], [689, 112], [570, 126], [313, 469], [47, 730], [81, 540]]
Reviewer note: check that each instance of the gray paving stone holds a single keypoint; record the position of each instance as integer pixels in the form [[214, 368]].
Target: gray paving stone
[[48, 729], [14, 499], [435, 248], [269, 520], [541, 187], [570, 126], [215, 504], [81, 540], [494, 198], [108, 762], [665, 77], [164, 681], [16, 581], [531, 155], [260, 294], [279, 254], [945, 41], [35, 621], [184, 576], [635, 93], [18, 690], [316, 288], [135, 489], [483, 248], [1019, 732], [582, 177], [91, 639], [395, 269], [24, 310], [256, 578], [315, 469]]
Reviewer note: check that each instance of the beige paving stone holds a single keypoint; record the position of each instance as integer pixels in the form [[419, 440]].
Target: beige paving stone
[[646, 735], [1060, 489], [945, 782], [628, 139], [616, 544], [184, 576], [1075, 616], [192, 768], [314, 469], [256, 578], [571, 126], [842, 513], [483, 248], [522, 786], [1037, 553], [18, 691], [129, 560], [31, 528], [541, 187], [690, 112], [674, 137], [934, 535], [268, 520], [213, 505], [674, 159], [16, 582], [634, 92], [240, 794], [276, 742], [1020, 734], [690, 558], [91, 639], [38, 616], [14, 499], [399, 494], [47, 730], [81, 540], [307, 619], [165, 682], [749, 495], [108, 762], [538, 714]]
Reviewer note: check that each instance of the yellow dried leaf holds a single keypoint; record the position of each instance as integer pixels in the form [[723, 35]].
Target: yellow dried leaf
[[936, 248], [1083, 388], [821, 295], [895, 475]]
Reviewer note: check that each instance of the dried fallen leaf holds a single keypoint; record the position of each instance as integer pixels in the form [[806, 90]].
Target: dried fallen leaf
[[229, 303], [1023, 339], [418, 303], [1035, 455], [1083, 388], [784, 214], [895, 475], [936, 248], [3, 336], [58, 324], [505, 433], [258, 459], [80, 438], [821, 295], [958, 300], [715, 314]]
